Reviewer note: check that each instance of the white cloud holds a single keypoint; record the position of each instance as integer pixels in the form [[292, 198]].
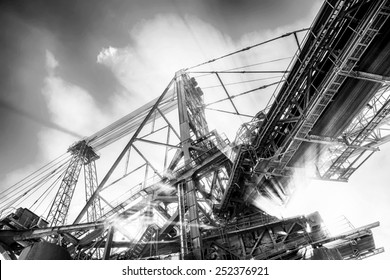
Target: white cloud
[[72, 107], [51, 62], [161, 47], [106, 53]]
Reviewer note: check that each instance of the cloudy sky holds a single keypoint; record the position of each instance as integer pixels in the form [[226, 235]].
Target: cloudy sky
[[69, 68]]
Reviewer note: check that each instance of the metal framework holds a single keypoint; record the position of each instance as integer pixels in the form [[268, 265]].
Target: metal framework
[[91, 183], [82, 154], [60, 207], [196, 196], [323, 73]]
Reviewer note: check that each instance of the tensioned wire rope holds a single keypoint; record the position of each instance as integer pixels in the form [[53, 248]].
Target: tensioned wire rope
[[25, 189], [29, 190], [46, 168], [248, 48], [245, 66], [45, 194], [240, 67], [242, 82], [40, 185]]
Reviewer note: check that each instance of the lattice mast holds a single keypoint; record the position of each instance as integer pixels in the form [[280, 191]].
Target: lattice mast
[[94, 212], [82, 154]]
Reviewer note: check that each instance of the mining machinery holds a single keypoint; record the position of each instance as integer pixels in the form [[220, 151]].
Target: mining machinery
[[202, 196]]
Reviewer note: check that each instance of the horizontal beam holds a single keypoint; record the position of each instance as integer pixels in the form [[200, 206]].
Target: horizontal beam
[[168, 199], [239, 72], [19, 235], [227, 112], [367, 76], [158, 143], [334, 141], [357, 231]]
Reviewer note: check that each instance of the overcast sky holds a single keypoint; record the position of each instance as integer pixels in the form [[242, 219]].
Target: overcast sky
[[69, 68]]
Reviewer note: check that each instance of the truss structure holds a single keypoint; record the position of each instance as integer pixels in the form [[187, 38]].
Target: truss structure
[[195, 198]]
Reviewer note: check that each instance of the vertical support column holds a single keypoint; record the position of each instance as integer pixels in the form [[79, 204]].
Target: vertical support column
[[94, 212], [193, 220], [182, 222], [187, 194], [167, 149], [60, 207]]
